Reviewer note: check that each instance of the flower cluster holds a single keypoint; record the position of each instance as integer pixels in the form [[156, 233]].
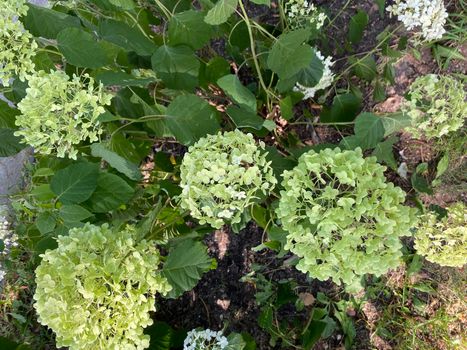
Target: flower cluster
[[221, 175], [429, 16], [343, 219], [444, 241], [17, 46], [58, 112], [325, 81], [97, 288], [8, 237], [437, 106], [204, 340], [301, 13]]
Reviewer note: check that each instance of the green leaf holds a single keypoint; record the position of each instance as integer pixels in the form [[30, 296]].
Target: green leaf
[[111, 192], [177, 66], [237, 92], [381, 7], [289, 54], [123, 4], [189, 118], [384, 152], [313, 333], [7, 115], [369, 130], [420, 184], [110, 78], [344, 109], [10, 144], [364, 68], [185, 265], [236, 342], [442, 166], [262, 2], [245, 118], [75, 183], [286, 106], [81, 49], [189, 28], [127, 37], [47, 23], [357, 26], [74, 213], [265, 317], [216, 68], [221, 12], [379, 93], [395, 122], [117, 162], [45, 222]]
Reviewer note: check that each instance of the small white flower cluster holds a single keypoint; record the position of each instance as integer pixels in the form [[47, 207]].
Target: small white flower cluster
[[205, 339], [9, 240], [428, 15], [325, 81], [302, 13]]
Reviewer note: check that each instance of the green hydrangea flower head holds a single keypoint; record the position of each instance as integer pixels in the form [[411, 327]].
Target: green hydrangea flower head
[[17, 46], [437, 106], [444, 241], [343, 219], [222, 175], [59, 112], [96, 289]]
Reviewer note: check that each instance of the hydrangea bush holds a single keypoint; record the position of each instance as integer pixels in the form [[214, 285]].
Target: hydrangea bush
[[326, 79], [222, 175], [17, 47], [444, 241], [302, 13], [205, 339], [343, 219], [428, 17], [59, 112], [437, 106], [95, 291]]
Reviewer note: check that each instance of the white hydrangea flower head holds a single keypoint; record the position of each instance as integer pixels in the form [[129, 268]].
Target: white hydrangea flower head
[[343, 219], [302, 13], [8, 237], [444, 241], [222, 175], [205, 339], [17, 46], [437, 106], [97, 288], [59, 112], [428, 17], [326, 79]]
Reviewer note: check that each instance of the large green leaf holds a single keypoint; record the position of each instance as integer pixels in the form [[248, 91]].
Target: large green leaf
[[75, 183], [189, 118], [364, 68], [111, 192], [289, 54], [395, 122], [111, 78], [189, 28], [123, 4], [74, 213], [344, 108], [357, 26], [385, 154], [185, 265], [221, 12], [237, 92], [7, 115], [177, 66], [129, 38], [9, 143], [244, 118], [81, 49], [116, 161], [369, 130], [47, 23]]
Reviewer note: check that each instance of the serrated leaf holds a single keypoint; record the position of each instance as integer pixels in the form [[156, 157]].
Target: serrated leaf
[[74, 213], [189, 118], [289, 54], [185, 265], [75, 183], [47, 23], [237, 92], [111, 192], [45, 222], [189, 28], [357, 26], [384, 152], [395, 122], [81, 49], [177, 66], [221, 12], [344, 109], [369, 130], [10, 144], [117, 162]]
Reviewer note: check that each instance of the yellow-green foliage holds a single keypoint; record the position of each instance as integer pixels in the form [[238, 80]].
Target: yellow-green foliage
[[95, 291], [444, 241]]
